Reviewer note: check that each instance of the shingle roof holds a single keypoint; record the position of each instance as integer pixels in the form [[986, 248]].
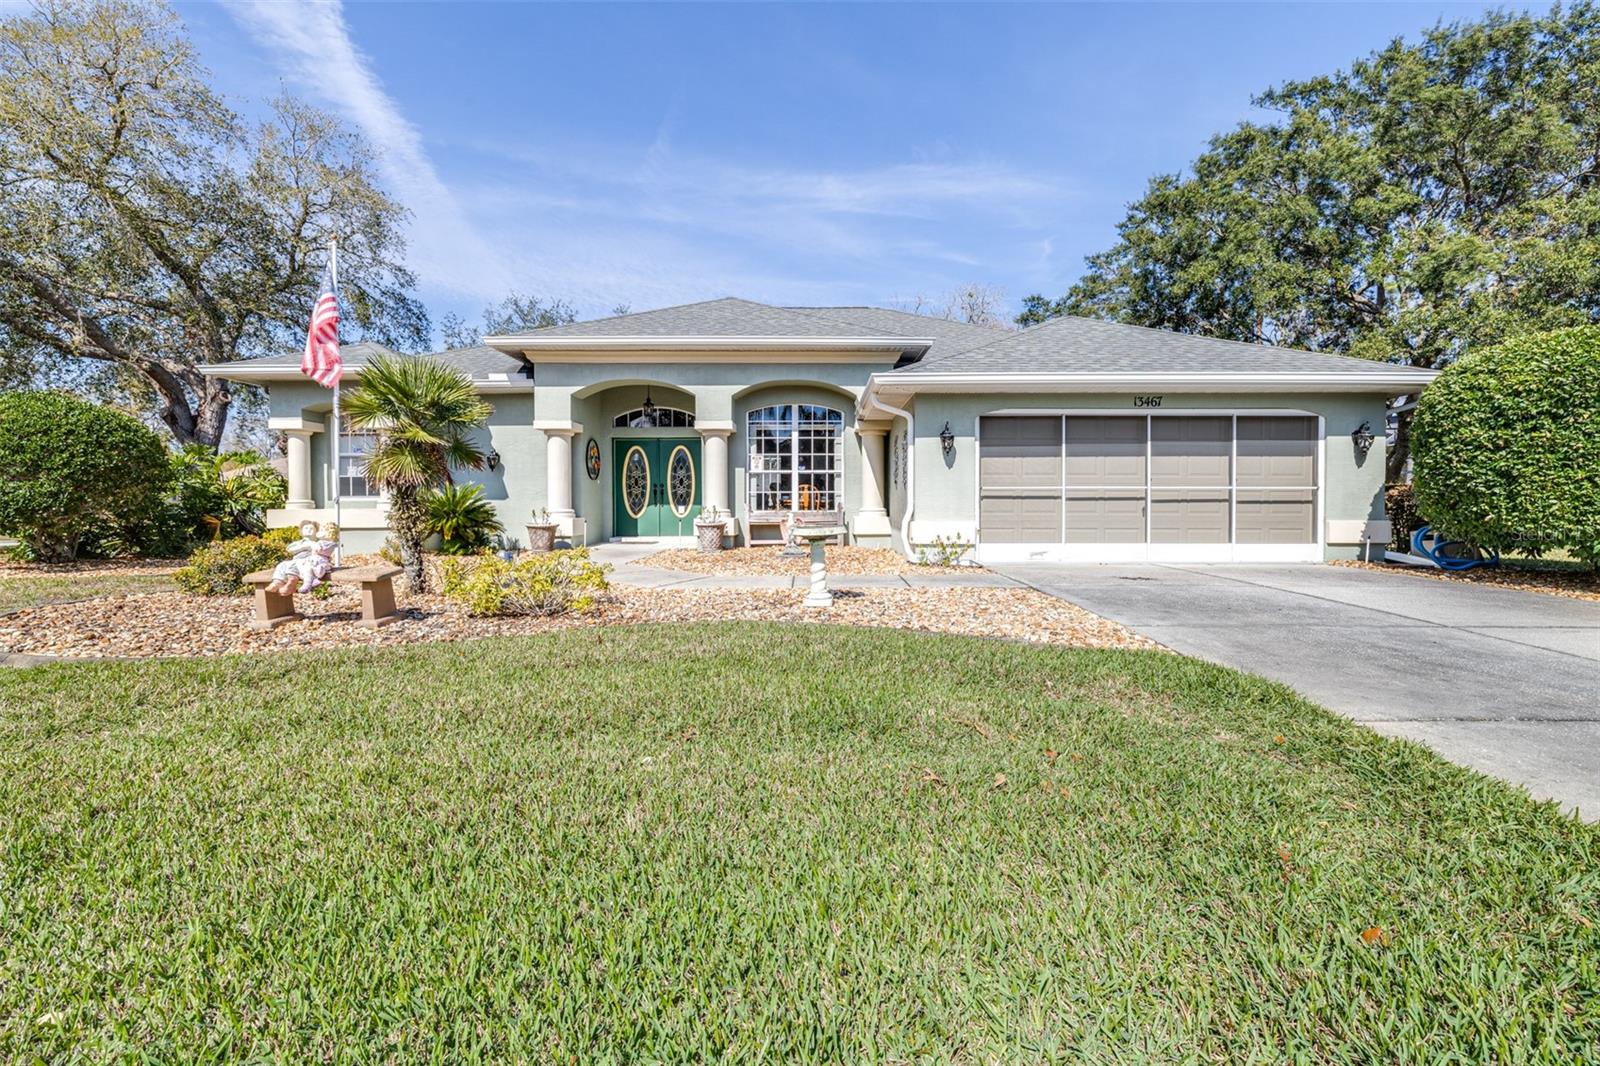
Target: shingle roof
[[727, 317], [477, 361], [949, 336], [1088, 345]]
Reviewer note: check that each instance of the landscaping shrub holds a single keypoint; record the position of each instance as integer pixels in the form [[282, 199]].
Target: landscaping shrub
[[547, 583], [70, 469], [463, 520], [226, 494], [1400, 504], [219, 569], [1506, 446]]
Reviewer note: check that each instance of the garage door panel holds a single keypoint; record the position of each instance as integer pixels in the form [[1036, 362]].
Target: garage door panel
[[1105, 451], [1281, 516], [1013, 519], [1189, 516], [1277, 451], [1190, 451], [1105, 517], [1020, 453]]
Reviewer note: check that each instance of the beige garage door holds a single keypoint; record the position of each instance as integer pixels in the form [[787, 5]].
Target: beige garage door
[[1190, 475], [1277, 480], [1019, 480], [1105, 480]]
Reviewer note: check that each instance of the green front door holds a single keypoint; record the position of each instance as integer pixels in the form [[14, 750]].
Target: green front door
[[656, 489]]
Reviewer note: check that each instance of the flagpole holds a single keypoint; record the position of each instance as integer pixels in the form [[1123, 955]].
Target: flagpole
[[338, 444]]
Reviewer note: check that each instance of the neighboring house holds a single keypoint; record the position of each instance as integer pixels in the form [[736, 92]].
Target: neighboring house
[[1073, 440]]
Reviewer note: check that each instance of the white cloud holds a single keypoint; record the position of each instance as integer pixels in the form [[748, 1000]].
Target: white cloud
[[312, 42]]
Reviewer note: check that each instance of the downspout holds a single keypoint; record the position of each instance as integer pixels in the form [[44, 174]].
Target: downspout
[[911, 458]]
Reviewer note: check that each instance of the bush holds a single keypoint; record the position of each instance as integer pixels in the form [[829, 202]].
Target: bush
[[547, 583], [1506, 446], [462, 519], [226, 494], [70, 468], [1400, 504], [219, 569]]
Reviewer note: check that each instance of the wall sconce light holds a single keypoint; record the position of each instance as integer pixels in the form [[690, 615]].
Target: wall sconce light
[[1363, 439], [494, 460], [947, 441]]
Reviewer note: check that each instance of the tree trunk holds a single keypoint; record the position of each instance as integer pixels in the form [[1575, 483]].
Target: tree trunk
[[1400, 451], [409, 520], [199, 422]]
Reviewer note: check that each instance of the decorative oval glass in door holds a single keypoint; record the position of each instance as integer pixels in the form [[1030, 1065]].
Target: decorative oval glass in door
[[635, 481], [680, 480]]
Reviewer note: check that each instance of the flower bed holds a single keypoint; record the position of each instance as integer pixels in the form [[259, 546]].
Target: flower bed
[[1573, 584], [172, 624]]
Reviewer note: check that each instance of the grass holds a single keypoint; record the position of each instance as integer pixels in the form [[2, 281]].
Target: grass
[[18, 590], [764, 843]]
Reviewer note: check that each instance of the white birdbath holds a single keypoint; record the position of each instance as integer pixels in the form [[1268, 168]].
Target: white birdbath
[[818, 596]]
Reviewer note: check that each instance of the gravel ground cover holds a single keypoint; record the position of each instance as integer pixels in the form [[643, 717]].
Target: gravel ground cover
[[1571, 582], [176, 624], [848, 560], [748, 842]]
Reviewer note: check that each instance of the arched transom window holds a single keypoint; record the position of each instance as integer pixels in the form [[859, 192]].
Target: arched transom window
[[796, 462], [656, 418]]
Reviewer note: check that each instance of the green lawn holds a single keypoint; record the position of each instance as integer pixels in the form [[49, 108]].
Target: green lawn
[[763, 843], [30, 589]]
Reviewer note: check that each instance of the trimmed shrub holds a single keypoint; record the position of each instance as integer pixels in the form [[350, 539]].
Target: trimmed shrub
[[542, 584], [70, 468], [1506, 446], [219, 569], [1400, 504]]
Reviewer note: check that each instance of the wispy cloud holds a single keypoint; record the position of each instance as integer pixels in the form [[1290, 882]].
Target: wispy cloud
[[312, 43]]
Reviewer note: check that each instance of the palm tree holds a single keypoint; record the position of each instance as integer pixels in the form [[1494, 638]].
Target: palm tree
[[421, 411]]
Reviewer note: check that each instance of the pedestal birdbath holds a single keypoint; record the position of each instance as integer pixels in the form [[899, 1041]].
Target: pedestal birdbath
[[817, 536]]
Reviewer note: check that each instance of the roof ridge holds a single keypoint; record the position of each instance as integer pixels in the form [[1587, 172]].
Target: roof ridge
[[811, 312], [903, 313]]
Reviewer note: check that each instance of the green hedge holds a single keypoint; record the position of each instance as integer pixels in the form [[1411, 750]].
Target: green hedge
[[1506, 446], [219, 569], [72, 471]]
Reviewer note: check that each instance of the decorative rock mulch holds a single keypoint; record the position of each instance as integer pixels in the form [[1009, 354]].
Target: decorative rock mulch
[[108, 567], [174, 624], [1572, 584], [848, 560]]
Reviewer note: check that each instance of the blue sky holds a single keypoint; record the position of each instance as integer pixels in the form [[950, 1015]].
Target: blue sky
[[652, 155]]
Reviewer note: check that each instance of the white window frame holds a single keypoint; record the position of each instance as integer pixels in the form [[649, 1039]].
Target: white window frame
[[625, 419], [834, 421], [346, 454]]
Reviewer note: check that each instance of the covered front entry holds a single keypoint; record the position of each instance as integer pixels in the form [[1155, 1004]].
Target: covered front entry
[[1181, 487], [656, 488]]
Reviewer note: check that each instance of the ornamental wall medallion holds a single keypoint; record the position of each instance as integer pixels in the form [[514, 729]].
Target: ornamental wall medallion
[[591, 459]]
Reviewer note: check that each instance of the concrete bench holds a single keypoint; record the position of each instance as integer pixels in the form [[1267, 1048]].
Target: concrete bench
[[272, 609]]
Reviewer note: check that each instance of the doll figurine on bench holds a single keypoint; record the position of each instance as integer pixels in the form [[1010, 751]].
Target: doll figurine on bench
[[310, 562]]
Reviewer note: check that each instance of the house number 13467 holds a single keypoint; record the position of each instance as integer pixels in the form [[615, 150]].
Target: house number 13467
[[1147, 401]]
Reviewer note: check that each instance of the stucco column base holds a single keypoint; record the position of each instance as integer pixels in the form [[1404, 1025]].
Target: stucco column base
[[870, 524], [716, 492]]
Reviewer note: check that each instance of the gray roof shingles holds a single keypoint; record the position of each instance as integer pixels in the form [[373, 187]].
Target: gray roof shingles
[[1059, 346]]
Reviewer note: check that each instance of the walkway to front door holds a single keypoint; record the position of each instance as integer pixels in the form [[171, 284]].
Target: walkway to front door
[[656, 490]]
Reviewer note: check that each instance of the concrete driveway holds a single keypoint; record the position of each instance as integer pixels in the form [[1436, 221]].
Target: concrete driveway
[[1507, 682]]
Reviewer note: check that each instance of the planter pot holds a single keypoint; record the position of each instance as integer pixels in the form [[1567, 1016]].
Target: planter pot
[[709, 535], [542, 538]]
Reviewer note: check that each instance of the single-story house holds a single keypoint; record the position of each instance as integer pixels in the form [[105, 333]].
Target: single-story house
[[1074, 440]]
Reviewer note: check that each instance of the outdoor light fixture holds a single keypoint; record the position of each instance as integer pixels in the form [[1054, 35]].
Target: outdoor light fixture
[[947, 441], [649, 409], [494, 460], [1362, 437]]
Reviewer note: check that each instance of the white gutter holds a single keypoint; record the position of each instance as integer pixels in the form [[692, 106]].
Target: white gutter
[[1400, 379], [242, 371], [911, 458]]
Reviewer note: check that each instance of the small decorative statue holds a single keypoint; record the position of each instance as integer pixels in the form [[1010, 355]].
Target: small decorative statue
[[310, 562]]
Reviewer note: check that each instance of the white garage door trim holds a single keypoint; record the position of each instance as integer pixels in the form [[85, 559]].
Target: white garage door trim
[[1231, 552]]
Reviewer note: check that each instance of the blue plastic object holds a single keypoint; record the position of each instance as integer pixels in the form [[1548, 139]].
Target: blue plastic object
[[1450, 554]]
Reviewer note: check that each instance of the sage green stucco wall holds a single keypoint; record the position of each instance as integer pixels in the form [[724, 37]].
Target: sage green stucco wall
[[946, 492]]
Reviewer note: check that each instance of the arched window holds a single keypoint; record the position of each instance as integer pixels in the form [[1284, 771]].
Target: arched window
[[796, 462], [658, 418]]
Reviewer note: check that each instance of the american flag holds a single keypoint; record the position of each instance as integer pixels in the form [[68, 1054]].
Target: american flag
[[321, 362]]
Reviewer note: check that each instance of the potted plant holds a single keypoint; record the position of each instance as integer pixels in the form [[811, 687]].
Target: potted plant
[[541, 532], [709, 528]]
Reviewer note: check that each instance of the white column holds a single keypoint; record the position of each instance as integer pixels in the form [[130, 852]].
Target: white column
[[715, 461], [558, 476], [298, 443], [873, 518]]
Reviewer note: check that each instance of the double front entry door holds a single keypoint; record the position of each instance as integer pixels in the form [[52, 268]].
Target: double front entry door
[[656, 487]]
